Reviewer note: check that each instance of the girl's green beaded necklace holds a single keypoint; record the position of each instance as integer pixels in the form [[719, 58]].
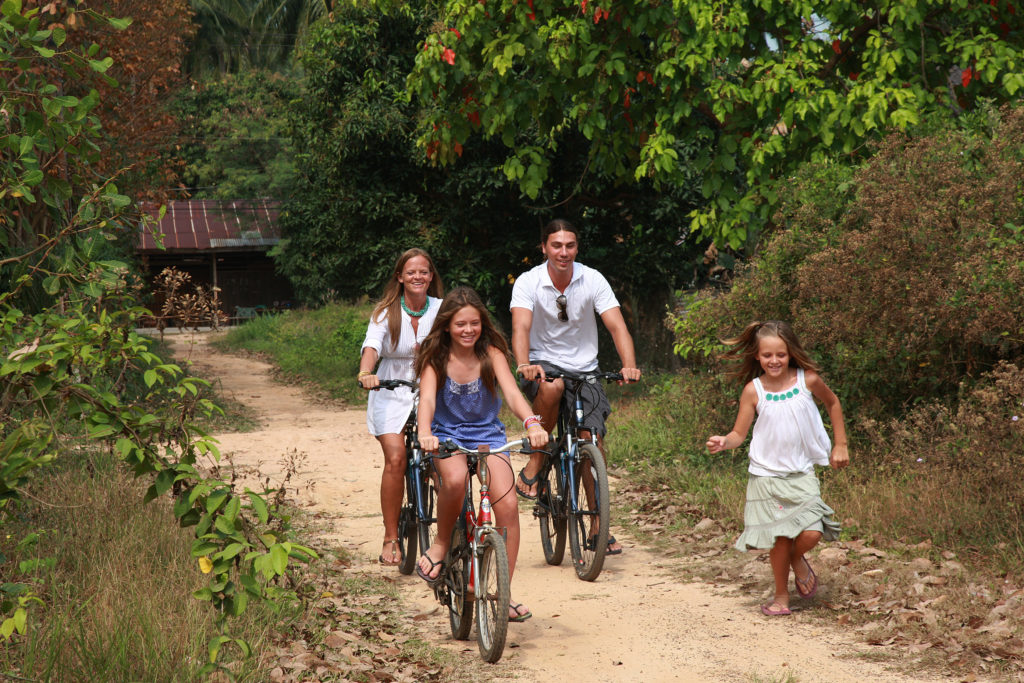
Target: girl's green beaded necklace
[[415, 314]]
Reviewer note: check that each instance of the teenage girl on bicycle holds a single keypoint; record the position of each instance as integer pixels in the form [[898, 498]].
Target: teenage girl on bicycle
[[461, 364]]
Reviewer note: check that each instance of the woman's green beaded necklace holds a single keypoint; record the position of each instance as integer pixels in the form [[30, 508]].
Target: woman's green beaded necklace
[[415, 314]]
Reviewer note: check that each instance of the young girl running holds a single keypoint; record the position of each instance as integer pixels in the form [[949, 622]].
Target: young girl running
[[461, 364], [784, 509]]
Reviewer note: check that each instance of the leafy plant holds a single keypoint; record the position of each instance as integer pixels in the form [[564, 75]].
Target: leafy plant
[[773, 85], [70, 356]]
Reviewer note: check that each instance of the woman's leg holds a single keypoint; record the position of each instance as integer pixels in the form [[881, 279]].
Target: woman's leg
[[450, 495], [392, 482]]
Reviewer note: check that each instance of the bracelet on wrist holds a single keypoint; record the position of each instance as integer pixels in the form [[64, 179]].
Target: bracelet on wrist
[[522, 365], [531, 420], [364, 373]]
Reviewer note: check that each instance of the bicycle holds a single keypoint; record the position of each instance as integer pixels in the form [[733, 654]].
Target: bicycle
[[572, 491], [416, 516], [475, 575]]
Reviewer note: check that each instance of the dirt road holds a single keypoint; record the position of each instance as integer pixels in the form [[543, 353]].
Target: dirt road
[[637, 622]]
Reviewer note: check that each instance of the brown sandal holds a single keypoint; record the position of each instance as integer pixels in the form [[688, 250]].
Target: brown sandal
[[394, 552]]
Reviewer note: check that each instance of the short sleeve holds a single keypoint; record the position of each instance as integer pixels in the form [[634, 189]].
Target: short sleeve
[[604, 298], [523, 294], [375, 333]]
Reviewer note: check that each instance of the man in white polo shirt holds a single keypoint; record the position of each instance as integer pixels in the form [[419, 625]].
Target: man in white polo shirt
[[554, 324]]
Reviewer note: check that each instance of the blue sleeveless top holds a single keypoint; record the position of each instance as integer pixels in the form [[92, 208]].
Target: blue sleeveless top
[[468, 414]]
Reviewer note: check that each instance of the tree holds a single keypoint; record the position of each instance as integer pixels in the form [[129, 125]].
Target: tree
[[237, 142], [74, 373], [771, 84], [239, 34]]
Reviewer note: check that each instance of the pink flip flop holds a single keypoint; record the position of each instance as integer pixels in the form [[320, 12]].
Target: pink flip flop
[[811, 580], [772, 610]]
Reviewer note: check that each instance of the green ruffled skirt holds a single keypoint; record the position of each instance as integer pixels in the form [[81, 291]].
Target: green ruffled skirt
[[784, 506]]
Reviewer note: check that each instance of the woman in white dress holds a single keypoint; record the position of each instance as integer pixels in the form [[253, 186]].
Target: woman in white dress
[[400, 320]]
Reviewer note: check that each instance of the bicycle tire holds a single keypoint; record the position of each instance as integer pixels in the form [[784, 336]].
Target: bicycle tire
[[460, 604], [407, 529], [550, 514], [588, 555], [492, 607], [425, 525]]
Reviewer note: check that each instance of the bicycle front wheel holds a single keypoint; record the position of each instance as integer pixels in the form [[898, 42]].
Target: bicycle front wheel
[[495, 596], [550, 514], [425, 524], [588, 518], [460, 597], [407, 529]]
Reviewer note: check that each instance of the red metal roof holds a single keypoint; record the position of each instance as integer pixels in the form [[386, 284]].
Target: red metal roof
[[212, 224]]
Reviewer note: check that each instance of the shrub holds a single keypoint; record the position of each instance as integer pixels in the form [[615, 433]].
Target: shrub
[[914, 285]]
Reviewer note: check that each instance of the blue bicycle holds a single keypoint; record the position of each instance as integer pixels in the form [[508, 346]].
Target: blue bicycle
[[416, 518]]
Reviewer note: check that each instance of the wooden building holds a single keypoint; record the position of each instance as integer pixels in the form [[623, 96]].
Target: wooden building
[[220, 244]]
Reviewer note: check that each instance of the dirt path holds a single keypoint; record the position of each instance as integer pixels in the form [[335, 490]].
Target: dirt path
[[635, 623]]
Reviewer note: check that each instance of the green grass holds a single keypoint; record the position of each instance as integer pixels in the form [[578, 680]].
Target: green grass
[[115, 578], [319, 347]]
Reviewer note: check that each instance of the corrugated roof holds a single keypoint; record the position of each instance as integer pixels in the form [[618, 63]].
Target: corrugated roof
[[205, 224]]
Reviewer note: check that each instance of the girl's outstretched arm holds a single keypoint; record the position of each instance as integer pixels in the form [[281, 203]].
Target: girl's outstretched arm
[[840, 457], [516, 402], [745, 418], [425, 414]]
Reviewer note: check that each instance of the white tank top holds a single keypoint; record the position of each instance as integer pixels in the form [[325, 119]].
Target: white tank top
[[789, 435]]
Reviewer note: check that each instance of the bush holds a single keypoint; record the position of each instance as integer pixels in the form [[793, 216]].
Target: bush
[[904, 288]]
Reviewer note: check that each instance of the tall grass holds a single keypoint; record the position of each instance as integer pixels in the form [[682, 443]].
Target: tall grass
[[318, 346], [115, 577]]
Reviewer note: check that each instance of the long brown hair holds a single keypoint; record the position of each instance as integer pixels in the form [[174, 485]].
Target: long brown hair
[[435, 349], [743, 349], [390, 304]]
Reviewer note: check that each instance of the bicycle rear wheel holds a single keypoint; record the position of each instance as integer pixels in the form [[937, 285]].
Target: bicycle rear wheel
[[588, 522], [460, 600], [550, 514], [495, 596]]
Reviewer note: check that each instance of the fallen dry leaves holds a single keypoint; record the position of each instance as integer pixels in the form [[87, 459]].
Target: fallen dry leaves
[[918, 600]]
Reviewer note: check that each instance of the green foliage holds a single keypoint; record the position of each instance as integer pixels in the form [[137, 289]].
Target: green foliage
[[68, 366], [318, 346], [904, 280], [772, 84], [238, 144], [235, 35], [106, 569], [365, 195]]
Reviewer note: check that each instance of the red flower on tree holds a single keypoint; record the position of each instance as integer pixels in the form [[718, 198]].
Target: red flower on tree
[[448, 56]]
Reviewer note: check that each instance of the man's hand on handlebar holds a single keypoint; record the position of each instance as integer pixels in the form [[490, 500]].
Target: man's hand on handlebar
[[630, 375], [532, 373]]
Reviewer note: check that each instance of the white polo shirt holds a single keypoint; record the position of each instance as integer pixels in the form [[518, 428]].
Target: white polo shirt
[[572, 344]]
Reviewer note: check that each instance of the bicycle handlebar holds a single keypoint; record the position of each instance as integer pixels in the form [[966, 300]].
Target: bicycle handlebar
[[582, 376], [449, 448], [392, 384]]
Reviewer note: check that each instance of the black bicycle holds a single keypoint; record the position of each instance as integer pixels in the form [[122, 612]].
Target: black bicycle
[[416, 518], [572, 490]]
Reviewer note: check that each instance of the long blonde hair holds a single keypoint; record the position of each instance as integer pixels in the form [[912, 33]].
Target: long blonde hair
[[743, 349], [435, 349], [390, 304]]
